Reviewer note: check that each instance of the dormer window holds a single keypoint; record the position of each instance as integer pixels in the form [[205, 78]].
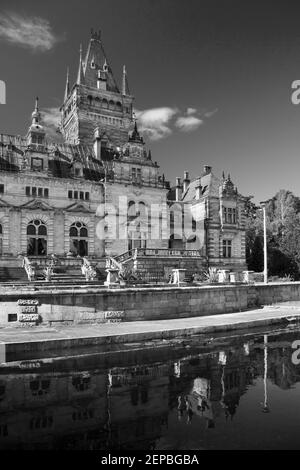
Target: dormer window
[[78, 170]]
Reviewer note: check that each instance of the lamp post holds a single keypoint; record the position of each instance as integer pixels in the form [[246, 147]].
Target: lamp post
[[263, 206]]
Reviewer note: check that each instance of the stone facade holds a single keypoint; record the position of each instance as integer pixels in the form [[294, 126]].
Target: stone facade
[[99, 193]]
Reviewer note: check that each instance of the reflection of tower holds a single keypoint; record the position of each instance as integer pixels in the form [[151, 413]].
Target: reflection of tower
[[222, 361], [265, 408]]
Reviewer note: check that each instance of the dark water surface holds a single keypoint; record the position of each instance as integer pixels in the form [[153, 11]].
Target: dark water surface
[[239, 391]]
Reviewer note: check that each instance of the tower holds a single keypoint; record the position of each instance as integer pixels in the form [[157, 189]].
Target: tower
[[94, 108], [36, 132]]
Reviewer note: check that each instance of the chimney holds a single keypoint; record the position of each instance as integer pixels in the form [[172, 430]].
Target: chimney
[[178, 189], [97, 144], [207, 169], [198, 191], [186, 181]]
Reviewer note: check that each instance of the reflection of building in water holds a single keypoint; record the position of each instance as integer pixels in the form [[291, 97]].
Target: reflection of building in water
[[212, 384], [52, 410], [281, 370], [128, 406], [84, 410], [138, 401]]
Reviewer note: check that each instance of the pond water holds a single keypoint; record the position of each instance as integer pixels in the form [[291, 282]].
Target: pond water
[[239, 391]]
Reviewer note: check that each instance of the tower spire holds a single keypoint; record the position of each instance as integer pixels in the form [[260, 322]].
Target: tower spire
[[36, 113], [80, 76], [125, 88], [67, 89]]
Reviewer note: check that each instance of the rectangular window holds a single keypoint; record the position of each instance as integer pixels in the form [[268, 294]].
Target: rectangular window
[[234, 216], [139, 175], [33, 191], [46, 192], [40, 192], [81, 195], [75, 194], [133, 174], [70, 194], [227, 248], [27, 189], [87, 196], [1, 188], [230, 215]]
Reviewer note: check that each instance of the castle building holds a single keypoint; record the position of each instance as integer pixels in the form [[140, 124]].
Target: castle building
[[100, 194]]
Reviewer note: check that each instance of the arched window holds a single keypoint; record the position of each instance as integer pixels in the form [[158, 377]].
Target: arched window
[[131, 213], [97, 101], [90, 100], [111, 104], [104, 103], [137, 225], [79, 239], [119, 106], [36, 238], [143, 210]]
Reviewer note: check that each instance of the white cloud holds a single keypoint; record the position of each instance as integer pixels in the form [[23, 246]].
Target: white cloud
[[191, 111], [209, 114], [155, 122], [158, 123], [188, 123], [50, 119], [33, 32]]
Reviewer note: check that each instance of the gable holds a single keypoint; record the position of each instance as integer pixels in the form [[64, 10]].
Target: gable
[[37, 204], [78, 207]]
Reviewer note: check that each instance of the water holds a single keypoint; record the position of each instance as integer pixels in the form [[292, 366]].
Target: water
[[239, 391]]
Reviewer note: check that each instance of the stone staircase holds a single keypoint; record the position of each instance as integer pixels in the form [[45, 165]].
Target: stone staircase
[[12, 274], [70, 275], [155, 265]]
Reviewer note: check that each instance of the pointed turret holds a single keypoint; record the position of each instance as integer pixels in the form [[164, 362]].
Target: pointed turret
[[36, 132], [80, 75], [125, 87], [96, 66], [67, 89], [135, 135], [36, 113]]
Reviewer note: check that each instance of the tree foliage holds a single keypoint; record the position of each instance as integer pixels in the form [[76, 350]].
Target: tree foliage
[[283, 235]]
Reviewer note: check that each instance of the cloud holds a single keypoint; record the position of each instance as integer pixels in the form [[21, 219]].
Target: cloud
[[50, 118], [191, 111], [155, 122], [188, 123], [209, 114], [34, 33], [158, 123]]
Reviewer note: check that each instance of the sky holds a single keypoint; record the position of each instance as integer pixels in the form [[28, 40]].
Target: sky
[[211, 79]]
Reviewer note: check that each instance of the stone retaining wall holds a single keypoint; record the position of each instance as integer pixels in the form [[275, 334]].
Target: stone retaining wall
[[91, 305]]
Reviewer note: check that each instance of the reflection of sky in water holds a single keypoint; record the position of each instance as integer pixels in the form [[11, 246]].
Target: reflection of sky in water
[[226, 393]]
